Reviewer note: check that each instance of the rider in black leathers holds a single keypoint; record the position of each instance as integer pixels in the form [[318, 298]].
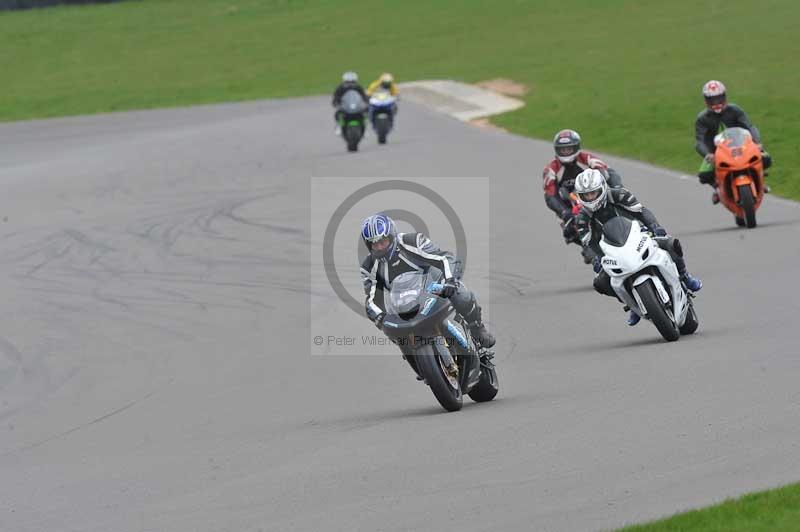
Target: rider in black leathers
[[349, 82], [599, 204], [717, 116]]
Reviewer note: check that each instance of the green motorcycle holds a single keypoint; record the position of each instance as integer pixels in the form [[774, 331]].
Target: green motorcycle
[[352, 118]]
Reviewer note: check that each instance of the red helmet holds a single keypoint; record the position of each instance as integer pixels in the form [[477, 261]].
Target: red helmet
[[714, 94], [567, 144]]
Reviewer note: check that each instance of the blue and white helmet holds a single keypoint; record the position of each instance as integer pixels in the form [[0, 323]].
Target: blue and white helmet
[[376, 228], [350, 77]]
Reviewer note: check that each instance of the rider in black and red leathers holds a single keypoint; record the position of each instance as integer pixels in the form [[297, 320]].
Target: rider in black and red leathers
[[560, 173]]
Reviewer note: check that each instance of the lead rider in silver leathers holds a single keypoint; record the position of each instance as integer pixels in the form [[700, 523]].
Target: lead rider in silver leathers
[[393, 253]]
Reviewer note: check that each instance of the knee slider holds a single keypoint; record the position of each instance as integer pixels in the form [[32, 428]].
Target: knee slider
[[706, 178], [671, 245]]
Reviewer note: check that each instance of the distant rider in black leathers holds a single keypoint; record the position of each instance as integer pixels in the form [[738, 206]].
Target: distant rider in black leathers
[[349, 82], [717, 116]]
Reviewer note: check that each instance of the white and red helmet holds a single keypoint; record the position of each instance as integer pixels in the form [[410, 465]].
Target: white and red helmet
[[714, 95], [567, 144]]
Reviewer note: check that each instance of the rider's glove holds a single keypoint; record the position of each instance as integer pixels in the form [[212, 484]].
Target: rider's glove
[[587, 255], [659, 231], [709, 158], [449, 287], [379, 321], [566, 215], [596, 264]]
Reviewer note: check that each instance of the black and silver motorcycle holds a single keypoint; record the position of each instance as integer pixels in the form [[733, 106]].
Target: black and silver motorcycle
[[353, 109], [436, 341]]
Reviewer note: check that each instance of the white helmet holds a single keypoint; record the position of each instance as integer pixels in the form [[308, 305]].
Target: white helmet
[[350, 76], [715, 96], [591, 189]]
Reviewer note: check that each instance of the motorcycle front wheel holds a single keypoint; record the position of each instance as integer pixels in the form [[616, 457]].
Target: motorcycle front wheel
[[656, 311], [748, 205], [445, 387]]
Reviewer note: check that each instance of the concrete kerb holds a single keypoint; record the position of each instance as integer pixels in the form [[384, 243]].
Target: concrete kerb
[[461, 100]]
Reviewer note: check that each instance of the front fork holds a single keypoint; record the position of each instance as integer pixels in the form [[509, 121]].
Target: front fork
[[742, 180]]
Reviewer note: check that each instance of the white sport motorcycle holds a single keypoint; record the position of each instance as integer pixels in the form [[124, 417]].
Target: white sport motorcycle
[[645, 277]]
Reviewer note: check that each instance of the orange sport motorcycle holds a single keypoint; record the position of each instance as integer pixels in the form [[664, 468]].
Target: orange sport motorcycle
[[739, 171]]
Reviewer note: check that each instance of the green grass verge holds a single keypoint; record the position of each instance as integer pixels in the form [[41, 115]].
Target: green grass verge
[[625, 73], [775, 510]]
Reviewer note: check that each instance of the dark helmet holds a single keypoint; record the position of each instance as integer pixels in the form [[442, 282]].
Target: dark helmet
[[567, 145], [379, 234]]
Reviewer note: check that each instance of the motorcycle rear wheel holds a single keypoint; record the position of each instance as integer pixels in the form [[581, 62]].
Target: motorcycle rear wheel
[[690, 325], [352, 135], [487, 386]]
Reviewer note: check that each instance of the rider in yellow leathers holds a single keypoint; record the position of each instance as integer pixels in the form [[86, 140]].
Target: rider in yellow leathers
[[384, 82]]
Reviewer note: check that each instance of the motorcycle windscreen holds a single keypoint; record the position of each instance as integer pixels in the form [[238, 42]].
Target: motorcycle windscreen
[[407, 289], [352, 102], [733, 137], [616, 231], [381, 98]]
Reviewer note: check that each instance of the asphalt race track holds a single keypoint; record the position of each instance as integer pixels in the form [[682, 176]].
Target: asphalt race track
[[155, 367]]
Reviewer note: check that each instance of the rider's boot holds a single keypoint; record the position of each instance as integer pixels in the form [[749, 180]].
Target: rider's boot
[[466, 305], [633, 318], [476, 326], [692, 283], [480, 333]]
